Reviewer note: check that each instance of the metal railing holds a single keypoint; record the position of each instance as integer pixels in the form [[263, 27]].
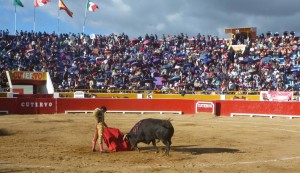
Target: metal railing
[[91, 92], [169, 91]]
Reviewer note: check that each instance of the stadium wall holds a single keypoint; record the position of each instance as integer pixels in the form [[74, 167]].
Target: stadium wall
[[30, 105], [226, 107], [45, 105], [186, 106]]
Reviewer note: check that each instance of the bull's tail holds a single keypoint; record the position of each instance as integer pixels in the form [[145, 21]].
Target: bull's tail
[[167, 123]]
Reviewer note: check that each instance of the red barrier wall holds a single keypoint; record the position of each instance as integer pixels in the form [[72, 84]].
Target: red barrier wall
[[226, 107], [28, 105], [31, 105], [186, 106]]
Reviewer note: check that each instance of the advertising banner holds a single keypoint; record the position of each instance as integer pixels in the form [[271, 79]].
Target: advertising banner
[[276, 96], [204, 107], [35, 105], [27, 75]]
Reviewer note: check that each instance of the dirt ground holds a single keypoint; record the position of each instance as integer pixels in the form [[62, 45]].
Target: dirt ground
[[201, 143]]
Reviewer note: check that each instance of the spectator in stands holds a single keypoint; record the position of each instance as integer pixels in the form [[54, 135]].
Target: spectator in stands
[[79, 62]]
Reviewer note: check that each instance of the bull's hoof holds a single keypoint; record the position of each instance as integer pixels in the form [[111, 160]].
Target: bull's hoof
[[166, 153], [93, 150]]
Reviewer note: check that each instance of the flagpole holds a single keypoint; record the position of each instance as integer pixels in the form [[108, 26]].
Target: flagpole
[[15, 19], [58, 19], [84, 16], [34, 18]]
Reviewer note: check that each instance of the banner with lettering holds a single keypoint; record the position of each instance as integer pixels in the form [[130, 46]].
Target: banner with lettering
[[205, 107], [27, 75], [276, 96], [35, 105]]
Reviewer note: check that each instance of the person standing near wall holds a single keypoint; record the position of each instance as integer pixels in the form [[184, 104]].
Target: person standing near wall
[[100, 125]]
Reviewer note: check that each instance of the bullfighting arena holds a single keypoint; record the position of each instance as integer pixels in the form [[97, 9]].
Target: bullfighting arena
[[201, 143]]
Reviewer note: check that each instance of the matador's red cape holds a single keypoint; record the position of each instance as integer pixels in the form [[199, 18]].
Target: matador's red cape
[[113, 138]]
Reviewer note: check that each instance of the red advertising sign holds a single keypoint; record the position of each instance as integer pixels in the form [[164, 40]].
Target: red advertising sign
[[205, 107]]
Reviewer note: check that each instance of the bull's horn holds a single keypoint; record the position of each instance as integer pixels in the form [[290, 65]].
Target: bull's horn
[[125, 137]]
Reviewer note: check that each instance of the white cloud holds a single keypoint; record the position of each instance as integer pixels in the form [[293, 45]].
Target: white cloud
[[138, 17], [160, 27], [121, 6], [174, 17]]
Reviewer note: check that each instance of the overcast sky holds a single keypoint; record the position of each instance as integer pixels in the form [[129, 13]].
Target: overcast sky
[[138, 17]]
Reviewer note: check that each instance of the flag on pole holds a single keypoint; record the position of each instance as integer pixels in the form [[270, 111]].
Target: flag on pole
[[62, 6], [18, 3], [38, 3], [91, 6]]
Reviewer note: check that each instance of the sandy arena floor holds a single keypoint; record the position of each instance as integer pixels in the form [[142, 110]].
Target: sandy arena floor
[[201, 143]]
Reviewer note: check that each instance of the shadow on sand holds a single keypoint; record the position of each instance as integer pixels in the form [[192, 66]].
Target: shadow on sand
[[4, 132], [192, 149], [196, 150]]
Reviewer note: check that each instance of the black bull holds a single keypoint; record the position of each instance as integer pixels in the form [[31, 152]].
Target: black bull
[[150, 130]]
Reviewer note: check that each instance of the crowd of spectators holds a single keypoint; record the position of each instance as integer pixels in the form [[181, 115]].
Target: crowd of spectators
[[170, 64]]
